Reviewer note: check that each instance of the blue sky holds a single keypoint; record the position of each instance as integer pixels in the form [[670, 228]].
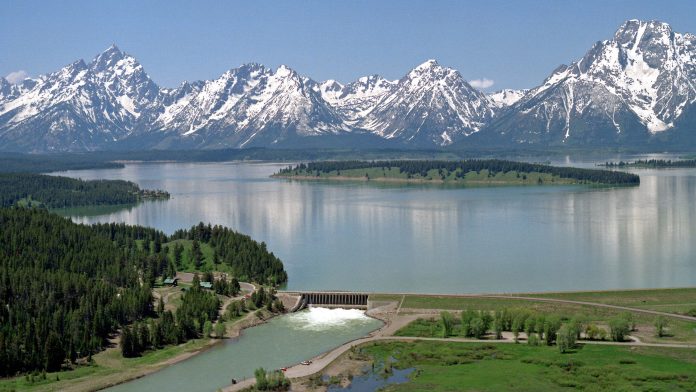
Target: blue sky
[[515, 44]]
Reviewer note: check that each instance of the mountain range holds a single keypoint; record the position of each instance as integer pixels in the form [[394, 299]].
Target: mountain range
[[637, 89]]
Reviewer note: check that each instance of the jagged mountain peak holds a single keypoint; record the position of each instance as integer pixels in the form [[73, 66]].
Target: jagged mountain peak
[[432, 104], [427, 64], [76, 66], [372, 82], [108, 58], [622, 90], [430, 68], [635, 31], [285, 71]]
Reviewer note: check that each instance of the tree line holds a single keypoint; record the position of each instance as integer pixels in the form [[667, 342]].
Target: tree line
[[653, 163], [66, 288], [539, 328], [422, 167], [60, 192]]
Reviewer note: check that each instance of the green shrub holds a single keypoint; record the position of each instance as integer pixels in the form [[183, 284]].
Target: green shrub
[[618, 329], [565, 339]]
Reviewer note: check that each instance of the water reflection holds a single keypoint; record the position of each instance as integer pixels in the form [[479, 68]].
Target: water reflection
[[435, 239]]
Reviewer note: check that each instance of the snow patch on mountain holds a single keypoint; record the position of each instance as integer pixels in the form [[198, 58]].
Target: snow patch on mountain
[[506, 97]]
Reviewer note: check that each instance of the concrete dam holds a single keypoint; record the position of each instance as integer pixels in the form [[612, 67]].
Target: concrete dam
[[328, 299]]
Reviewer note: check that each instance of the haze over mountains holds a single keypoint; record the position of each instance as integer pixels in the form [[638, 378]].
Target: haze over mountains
[[636, 89]]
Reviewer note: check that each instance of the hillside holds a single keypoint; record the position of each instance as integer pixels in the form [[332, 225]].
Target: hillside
[[67, 288]]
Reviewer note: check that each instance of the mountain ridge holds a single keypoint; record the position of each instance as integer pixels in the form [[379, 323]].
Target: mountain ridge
[[637, 88]]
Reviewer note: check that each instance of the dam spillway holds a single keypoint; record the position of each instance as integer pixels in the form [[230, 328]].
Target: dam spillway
[[330, 299]]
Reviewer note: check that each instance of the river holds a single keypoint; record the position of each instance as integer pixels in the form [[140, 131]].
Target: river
[[283, 341]]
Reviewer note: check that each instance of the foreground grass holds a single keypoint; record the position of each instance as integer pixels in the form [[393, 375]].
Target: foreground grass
[[449, 366]]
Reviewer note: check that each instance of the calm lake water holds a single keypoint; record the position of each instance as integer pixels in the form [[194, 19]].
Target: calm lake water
[[283, 341], [406, 238]]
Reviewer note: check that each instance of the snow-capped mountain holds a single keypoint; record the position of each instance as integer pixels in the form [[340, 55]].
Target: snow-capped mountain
[[624, 90], [431, 105], [249, 106], [635, 89], [506, 97], [80, 107], [354, 100]]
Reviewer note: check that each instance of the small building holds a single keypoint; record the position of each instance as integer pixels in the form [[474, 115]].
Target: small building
[[206, 285], [171, 281]]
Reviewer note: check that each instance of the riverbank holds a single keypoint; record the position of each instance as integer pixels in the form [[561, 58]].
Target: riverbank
[[110, 368]]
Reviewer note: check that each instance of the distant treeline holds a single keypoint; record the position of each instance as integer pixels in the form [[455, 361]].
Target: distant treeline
[[421, 168], [45, 163], [654, 163], [59, 192], [66, 288], [249, 259]]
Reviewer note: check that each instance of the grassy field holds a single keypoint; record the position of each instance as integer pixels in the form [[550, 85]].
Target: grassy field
[[680, 331], [474, 178], [679, 300], [449, 366]]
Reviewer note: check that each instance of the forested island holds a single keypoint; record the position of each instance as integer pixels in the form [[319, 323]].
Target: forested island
[[66, 288], [652, 164], [60, 192], [471, 172]]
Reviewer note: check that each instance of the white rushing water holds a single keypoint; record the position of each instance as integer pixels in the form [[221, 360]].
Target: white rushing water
[[320, 319]]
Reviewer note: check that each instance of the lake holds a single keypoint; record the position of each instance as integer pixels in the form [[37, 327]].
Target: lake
[[432, 238]]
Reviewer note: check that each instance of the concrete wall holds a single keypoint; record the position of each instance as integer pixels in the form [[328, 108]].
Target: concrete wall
[[336, 299]]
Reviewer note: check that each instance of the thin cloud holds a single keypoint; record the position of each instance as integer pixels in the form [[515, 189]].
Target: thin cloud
[[17, 76], [481, 83]]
